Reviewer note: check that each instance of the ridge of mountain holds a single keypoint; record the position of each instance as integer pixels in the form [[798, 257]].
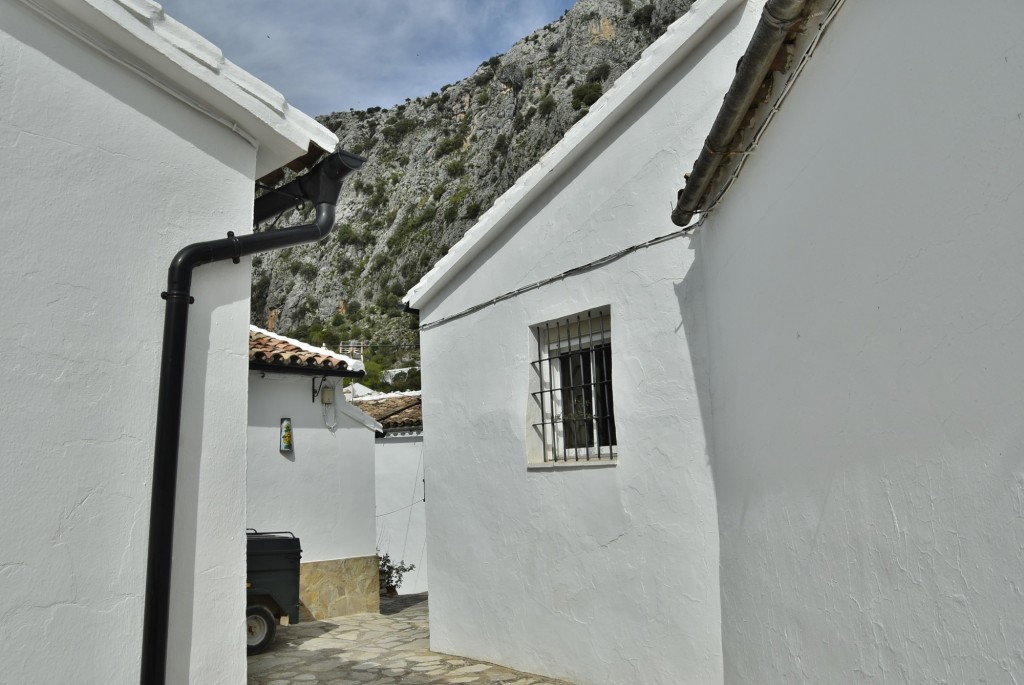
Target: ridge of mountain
[[436, 163]]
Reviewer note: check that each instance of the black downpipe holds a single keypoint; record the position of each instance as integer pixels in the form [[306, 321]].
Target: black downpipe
[[321, 186]]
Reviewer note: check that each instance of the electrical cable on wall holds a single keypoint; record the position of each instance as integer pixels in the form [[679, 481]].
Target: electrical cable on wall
[[607, 259], [395, 511], [415, 485]]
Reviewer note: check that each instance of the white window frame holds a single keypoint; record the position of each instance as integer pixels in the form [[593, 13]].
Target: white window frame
[[586, 332]]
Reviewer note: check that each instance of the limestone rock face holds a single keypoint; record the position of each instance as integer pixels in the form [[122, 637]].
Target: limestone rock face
[[437, 162]]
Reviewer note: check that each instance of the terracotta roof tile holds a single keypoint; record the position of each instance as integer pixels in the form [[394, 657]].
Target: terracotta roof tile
[[271, 348], [395, 410]]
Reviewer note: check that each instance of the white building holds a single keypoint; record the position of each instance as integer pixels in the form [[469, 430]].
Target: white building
[[816, 471], [862, 296], [400, 483], [322, 488], [123, 138], [603, 572]]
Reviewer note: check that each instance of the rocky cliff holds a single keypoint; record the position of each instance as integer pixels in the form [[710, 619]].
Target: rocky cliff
[[435, 164]]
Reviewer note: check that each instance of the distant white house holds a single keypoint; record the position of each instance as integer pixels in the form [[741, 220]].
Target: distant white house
[[321, 489], [124, 137], [400, 482], [781, 444]]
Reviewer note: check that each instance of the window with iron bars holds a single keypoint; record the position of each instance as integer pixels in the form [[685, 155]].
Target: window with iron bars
[[572, 406]]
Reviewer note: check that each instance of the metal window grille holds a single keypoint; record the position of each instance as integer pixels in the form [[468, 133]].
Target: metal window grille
[[574, 370]]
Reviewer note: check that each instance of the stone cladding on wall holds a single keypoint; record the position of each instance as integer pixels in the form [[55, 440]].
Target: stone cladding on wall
[[339, 587]]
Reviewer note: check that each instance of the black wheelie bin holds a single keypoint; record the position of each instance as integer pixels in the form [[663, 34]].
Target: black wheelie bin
[[272, 585]]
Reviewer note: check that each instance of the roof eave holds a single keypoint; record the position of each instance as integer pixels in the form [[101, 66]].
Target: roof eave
[[139, 35], [303, 369], [744, 113]]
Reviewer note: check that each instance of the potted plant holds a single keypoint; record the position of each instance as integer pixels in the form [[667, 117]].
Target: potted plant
[[390, 574]]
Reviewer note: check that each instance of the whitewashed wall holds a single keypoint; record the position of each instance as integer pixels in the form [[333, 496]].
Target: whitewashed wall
[[603, 575], [323, 490], [401, 511], [864, 297], [105, 177]]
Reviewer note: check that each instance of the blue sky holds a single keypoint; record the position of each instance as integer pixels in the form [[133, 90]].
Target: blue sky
[[332, 55]]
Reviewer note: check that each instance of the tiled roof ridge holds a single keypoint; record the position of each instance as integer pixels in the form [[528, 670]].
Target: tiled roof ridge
[[394, 410], [289, 351]]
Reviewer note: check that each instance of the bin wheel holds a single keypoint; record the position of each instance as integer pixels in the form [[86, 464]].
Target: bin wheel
[[260, 626]]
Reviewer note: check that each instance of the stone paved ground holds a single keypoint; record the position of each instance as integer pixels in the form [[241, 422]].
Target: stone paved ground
[[373, 649]]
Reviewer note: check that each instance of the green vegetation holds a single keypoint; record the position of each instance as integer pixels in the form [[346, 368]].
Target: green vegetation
[[413, 222], [434, 165], [389, 340], [546, 106], [397, 128], [455, 168], [585, 95], [459, 195], [448, 146], [260, 290], [599, 73], [642, 16]]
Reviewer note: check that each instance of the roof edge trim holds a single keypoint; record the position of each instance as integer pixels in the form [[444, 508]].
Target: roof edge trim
[[138, 35]]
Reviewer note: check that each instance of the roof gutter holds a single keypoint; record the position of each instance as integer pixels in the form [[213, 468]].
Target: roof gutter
[[777, 18], [320, 186]]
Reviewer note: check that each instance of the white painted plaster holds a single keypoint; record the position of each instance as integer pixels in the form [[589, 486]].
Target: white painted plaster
[[401, 511], [599, 575], [864, 316], [140, 36], [323, 491], [105, 177]]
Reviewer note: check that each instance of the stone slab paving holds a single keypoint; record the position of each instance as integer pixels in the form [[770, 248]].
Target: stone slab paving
[[390, 648]]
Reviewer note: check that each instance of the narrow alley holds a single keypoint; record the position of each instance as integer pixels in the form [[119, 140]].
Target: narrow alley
[[391, 648]]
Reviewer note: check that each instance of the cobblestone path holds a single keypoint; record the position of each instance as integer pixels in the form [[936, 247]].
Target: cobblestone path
[[373, 649]]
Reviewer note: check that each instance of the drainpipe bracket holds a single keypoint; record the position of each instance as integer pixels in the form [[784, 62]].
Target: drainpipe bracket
[[776, 23], [177, 295], [236, 246]]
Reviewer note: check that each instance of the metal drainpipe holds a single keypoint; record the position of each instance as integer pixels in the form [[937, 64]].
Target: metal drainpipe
[[321, 186], [777, 18]]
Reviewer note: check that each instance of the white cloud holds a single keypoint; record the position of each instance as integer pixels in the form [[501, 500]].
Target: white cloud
[[330, 55]]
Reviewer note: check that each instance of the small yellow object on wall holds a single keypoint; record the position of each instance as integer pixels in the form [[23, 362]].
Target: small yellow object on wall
[[286, 435]]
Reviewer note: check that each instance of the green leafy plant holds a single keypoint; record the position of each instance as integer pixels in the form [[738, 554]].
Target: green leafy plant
[[390, 573], [585, 95], [599, 73]]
